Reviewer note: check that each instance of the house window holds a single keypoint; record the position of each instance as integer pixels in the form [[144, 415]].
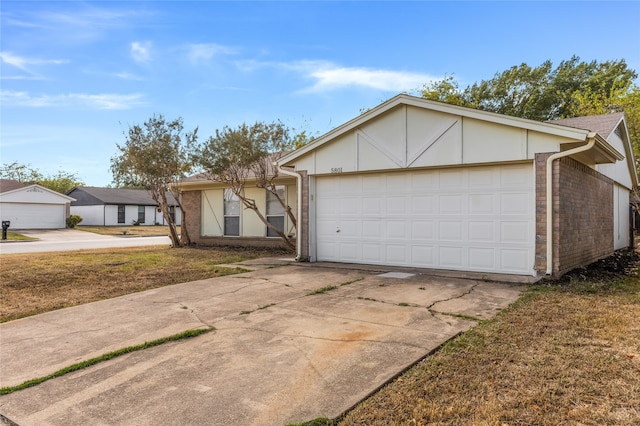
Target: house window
[[172, 213], [231, 214], [141, 210], [121, 216], [275, 211]]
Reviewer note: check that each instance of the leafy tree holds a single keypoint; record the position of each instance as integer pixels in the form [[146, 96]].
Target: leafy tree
[[61, 182], [156, 156], [245, 156], [538, 93]]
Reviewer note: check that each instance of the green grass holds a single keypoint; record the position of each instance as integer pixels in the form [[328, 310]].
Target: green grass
[[14, 236], [322, 290], [110, 355]]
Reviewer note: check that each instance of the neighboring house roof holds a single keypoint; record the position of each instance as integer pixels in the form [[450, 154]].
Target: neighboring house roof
[[604, 124], [7, 185], [91, 196]]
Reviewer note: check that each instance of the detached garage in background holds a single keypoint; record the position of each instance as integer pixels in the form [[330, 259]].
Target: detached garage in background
[[424, 184], [33, 206]]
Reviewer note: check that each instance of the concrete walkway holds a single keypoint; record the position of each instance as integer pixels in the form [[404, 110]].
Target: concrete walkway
[[277, 355]]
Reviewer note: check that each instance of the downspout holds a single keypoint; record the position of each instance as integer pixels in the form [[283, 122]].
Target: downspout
[[591, 141], [299, 212]]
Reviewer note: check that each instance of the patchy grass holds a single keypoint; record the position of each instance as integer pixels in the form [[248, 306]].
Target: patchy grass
[[135, 231], [322, 290], [110, 355], [34, 283], [14, 236], [565, 353]]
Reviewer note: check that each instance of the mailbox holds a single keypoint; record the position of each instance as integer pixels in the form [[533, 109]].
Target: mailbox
[[5, 225]]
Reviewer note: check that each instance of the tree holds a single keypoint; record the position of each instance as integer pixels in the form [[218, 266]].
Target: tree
[[61, 182], [245, 156], [538, 93], [156, 156]]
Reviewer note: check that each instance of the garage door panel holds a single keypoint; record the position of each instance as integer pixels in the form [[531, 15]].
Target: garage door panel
[[477, 218], [482, 258], [482, 231], [34, 216]]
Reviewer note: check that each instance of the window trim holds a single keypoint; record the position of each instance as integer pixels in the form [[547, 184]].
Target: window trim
[[236, 199], [142, 213], [121, 213], [283, 215]]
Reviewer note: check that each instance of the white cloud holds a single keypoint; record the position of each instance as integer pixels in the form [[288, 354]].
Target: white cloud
[[141, 51], [26, 64], [329, 76], [204, 52], [108, 101]]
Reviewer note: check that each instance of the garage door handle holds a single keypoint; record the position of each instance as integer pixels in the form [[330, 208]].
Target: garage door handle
[[337, 229]]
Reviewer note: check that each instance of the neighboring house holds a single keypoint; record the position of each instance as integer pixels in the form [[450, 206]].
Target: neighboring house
[[32, 206], [217, 217], [119, 207], [418, 183]]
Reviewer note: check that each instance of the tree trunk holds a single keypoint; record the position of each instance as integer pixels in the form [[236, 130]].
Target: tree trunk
[[251, 204]]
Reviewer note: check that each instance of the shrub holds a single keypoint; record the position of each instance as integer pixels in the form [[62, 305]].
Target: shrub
[[73, 220]]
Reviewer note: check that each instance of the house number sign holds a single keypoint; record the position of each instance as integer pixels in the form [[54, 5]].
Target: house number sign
[[336, 170]]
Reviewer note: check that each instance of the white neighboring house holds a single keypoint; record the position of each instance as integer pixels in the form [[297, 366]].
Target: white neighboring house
[[119, 207], [33, 206]]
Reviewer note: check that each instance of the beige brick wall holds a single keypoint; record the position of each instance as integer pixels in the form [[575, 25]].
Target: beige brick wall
[[583, 215], [191, 201]]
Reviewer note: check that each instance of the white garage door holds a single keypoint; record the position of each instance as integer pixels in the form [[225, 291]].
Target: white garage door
[[472, 219], [34, 216]]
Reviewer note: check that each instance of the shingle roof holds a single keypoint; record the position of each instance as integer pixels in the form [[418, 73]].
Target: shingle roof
[[7, 185], [602, 124], [90, 195]]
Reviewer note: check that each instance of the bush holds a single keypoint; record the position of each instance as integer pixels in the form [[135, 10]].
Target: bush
[[73, 220]]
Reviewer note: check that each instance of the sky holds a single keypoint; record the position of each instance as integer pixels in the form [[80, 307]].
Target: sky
[[75, 75]]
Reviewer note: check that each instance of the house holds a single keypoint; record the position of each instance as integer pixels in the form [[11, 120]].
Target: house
[[216, 217], [417, 183], [32, 206], [119, 207]]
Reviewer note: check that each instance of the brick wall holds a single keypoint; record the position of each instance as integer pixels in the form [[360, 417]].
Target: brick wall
[[585, 216], [191, 201], [303, 222], [582, 215]]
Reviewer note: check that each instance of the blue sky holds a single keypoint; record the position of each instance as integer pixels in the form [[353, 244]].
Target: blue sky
[[76, 74]]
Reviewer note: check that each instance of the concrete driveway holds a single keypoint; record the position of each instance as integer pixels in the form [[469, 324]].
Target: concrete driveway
[[278, 354], [74, 239]]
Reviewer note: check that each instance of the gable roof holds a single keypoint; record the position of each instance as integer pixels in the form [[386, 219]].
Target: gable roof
[[18, 194], [577, 134], [91, 195], [7, 185]]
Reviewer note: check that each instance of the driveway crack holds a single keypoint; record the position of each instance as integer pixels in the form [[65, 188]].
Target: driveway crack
[[466, 293]]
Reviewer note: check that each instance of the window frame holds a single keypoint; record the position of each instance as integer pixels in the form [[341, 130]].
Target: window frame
[[142, 210], [122, 213], [281, 213], [229, 197]]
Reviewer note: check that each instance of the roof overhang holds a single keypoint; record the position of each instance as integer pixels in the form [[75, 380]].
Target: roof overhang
[[601, 153]]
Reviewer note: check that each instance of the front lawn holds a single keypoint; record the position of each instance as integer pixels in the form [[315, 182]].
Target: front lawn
[[34, 283], [136, 231]]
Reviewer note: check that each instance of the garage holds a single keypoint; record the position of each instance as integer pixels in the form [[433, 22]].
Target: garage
[[33, 206], [471, 218], [417, 183], [34, 216]]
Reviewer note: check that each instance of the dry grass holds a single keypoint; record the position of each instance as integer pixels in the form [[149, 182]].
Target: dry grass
[[560, 355], [138, 231], [34, 283]]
